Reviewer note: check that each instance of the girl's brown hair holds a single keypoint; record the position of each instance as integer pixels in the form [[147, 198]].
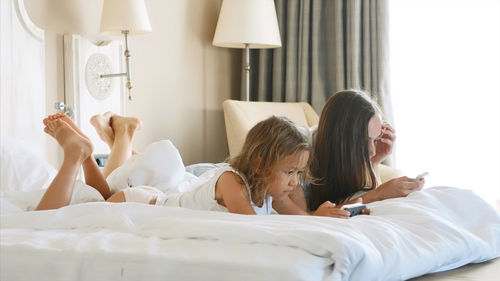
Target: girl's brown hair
[[342, 164], [266, 145]]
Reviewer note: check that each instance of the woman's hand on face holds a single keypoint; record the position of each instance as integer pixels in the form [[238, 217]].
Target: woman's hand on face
[[329, 209], [383, 145], [398, 187]]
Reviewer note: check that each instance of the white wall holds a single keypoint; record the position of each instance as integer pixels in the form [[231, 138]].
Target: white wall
[[179, 79]]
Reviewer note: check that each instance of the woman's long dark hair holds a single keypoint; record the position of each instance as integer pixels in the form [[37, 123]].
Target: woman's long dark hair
[[342, 163]]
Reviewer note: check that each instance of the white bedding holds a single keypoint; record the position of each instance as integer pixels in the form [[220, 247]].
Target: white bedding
[[432, 230]]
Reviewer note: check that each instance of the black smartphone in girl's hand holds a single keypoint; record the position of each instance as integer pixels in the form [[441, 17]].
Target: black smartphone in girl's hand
[[354, 209]]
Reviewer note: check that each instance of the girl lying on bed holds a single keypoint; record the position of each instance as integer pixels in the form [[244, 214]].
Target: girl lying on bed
[[274, 161]]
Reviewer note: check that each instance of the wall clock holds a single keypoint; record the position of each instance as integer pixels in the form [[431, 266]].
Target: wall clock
[[97, 64]]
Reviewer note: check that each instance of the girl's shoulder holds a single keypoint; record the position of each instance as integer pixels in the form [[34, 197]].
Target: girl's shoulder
[[228, 169], [234, 176], [230, 177]]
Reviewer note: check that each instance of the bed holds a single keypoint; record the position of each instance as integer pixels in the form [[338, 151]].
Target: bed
[[437, 229]]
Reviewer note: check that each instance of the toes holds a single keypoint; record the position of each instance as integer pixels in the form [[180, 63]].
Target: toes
[[55, 116], [52, 125]]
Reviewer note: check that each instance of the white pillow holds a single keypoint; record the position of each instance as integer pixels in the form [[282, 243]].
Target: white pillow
[[21, 168], [159, 165]]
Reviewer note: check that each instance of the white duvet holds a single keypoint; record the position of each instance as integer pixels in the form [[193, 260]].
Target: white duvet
[[432, 230]]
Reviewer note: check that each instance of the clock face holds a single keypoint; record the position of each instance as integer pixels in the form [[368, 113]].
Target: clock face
[[97, 64]]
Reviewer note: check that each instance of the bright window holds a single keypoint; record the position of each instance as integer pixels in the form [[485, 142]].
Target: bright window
[[445, 86]]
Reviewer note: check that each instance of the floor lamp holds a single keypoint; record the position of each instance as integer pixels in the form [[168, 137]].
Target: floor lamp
[[248, 24]]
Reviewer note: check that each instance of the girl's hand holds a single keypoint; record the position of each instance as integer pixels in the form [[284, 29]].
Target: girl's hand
[[383, 145], [365, 211], [329, 209], [398, 187]]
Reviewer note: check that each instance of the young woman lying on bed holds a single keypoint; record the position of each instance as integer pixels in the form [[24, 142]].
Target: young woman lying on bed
[[350, 143], [273, 162]]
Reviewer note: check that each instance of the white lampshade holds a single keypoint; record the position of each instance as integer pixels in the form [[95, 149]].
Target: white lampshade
[[119, 15], [251, 22]]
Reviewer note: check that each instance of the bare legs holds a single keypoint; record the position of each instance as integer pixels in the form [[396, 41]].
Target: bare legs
[[104, 128], [91, 171], [76, 150], [118, 132]]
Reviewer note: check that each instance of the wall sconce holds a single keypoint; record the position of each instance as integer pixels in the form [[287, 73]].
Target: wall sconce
[[248, 24], [126, 17], [118, 17]]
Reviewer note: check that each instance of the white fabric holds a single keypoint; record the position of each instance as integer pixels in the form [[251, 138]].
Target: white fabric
[[28, 200], [83, 193], [428, 231], [22, 169], [143, 194], [160, 166]]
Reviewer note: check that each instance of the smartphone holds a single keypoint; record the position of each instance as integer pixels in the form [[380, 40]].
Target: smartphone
[[354, 209], [421, 176]]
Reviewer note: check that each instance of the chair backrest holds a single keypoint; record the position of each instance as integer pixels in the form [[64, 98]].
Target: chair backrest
[[241, 116]]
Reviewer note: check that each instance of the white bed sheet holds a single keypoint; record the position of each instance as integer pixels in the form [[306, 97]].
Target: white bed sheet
[[429, 231]]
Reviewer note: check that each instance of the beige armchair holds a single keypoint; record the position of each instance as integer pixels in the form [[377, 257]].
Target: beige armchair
[[241, 116]]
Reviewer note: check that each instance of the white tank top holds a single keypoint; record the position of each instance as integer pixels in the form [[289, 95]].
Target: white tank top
[[202, 196]]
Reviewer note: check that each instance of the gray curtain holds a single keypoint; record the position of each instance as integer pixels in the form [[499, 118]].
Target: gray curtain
[[327, 46]]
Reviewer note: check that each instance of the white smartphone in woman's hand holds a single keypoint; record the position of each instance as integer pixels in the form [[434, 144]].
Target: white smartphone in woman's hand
[[421, 176]]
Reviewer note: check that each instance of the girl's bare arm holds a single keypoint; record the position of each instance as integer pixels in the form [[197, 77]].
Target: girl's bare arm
[[232, 193]]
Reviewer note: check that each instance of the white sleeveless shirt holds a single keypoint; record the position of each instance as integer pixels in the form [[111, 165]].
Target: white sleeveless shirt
[[202, 196]]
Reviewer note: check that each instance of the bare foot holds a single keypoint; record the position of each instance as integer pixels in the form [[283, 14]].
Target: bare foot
[[122, 124], [102, 124], [67, 120], [73, 144], [52, 117]]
